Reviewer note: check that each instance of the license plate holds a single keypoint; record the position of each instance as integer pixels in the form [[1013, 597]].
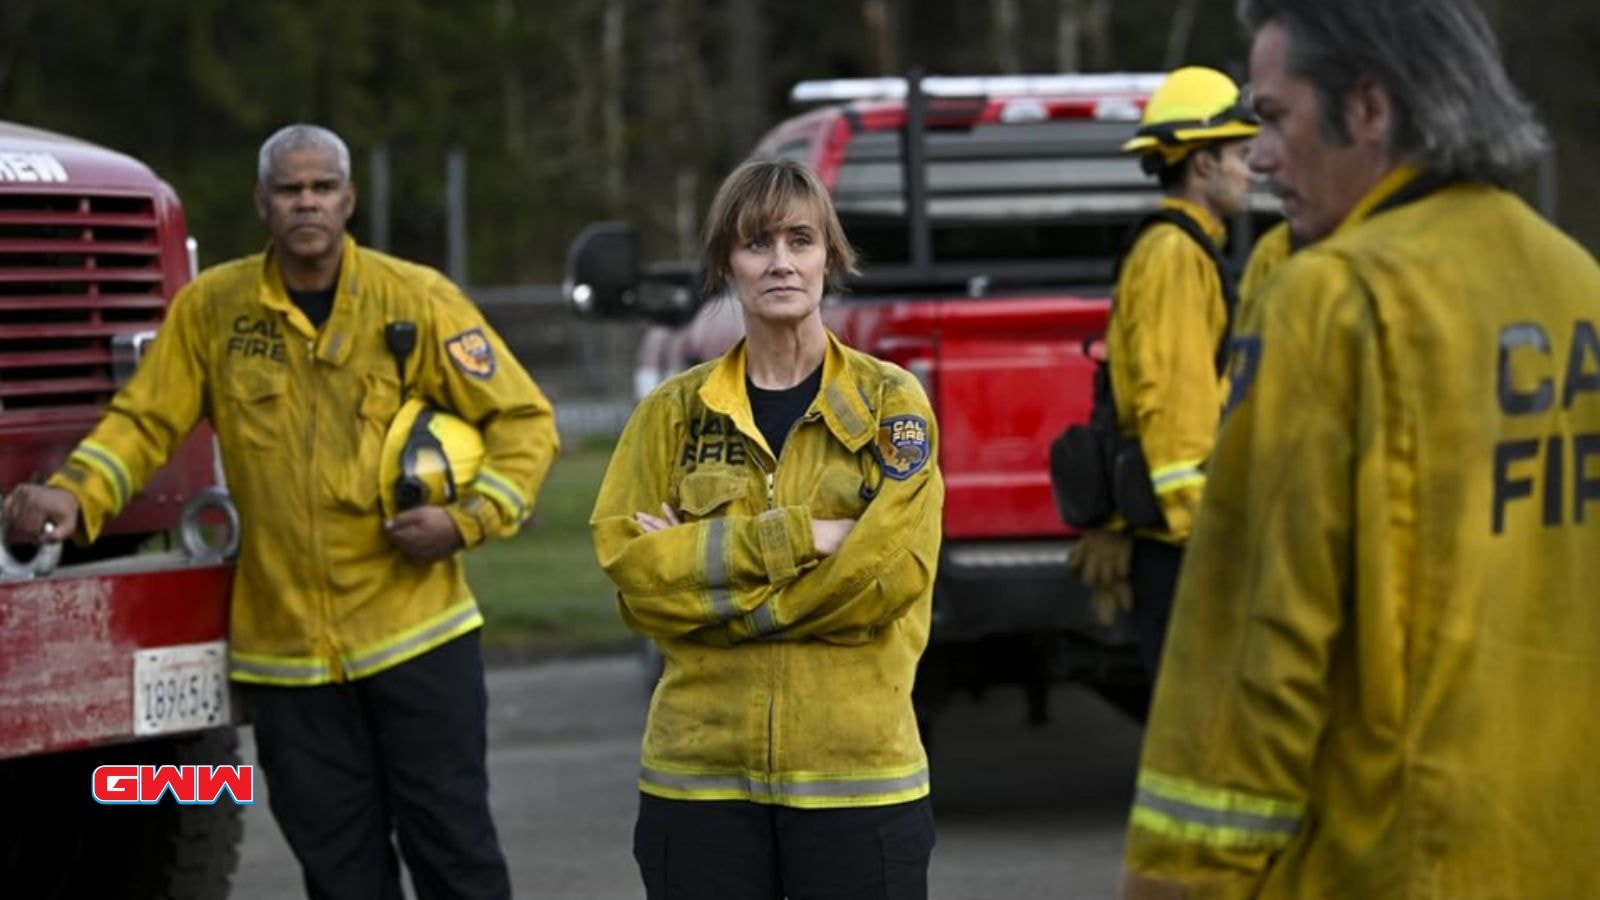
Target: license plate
[[181, 688]]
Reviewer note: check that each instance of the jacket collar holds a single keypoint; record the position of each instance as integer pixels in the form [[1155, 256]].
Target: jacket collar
[[334, 341], [841, 400], [1210, 224], [1396, 181]]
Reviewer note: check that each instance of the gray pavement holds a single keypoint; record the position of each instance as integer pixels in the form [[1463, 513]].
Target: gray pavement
[[1023, 813]]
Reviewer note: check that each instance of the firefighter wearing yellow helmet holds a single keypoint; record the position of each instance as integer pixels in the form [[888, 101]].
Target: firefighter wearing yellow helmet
[[429, 459], [1193, 108], [1170, 316]]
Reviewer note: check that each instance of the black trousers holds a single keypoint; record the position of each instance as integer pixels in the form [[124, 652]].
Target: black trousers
[[734, 850], [400, 753], [1154, 574]]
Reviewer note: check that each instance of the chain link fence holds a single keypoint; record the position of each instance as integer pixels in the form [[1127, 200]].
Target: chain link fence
[[585, 366]]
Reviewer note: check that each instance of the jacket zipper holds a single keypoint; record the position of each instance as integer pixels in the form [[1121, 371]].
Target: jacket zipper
[[314, 384], [771, 477]]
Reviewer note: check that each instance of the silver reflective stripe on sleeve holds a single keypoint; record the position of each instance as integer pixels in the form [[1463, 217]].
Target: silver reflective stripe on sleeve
[[1193, 812], [502, 491], [108, 464], [763, 621], [722, 608], [1167, 479], [1215, 818]]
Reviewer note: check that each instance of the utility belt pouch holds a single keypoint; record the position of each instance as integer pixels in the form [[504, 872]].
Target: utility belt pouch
[[1097, 472], [1131, 489], [1080, 476], [1081, 461]]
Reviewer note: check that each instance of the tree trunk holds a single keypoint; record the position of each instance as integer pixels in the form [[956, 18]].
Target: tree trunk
[[1097, 34], [747, 75], [505, 16], [880, 21], [687, 211], [1178, 34], [15, 33], [613, 121], [1006, 27], [1069, 29], [677, 95]]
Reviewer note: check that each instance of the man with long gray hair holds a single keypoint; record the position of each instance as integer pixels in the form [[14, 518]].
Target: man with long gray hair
[[1384, 660]]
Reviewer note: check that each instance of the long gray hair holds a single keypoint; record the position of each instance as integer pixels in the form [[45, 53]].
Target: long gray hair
[[1456, 111], [299, 137]]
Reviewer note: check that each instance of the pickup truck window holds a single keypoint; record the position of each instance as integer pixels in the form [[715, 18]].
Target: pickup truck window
[[1022, 205], [1055, 190]]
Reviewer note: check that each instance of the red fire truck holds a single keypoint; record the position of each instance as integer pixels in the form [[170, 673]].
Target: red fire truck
[[988, 212], [111, 654]]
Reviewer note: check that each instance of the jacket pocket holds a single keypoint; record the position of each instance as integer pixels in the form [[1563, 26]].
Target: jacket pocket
[[356, 477], [257, 412], [840, 493], [704, 492]]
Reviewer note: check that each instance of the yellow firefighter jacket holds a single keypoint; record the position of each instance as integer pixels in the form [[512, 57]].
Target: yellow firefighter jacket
[[788, 676], [320, 593], [1384, 661], [1168, 319], [1272, 249]]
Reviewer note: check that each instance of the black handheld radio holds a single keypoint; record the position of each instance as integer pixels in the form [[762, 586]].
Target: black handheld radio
[[401, 338]]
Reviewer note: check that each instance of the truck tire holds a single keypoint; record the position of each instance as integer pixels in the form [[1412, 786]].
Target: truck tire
[[1132, 699], [67, 846]]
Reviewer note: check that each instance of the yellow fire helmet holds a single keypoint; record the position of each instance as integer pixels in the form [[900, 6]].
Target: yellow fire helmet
[[1193, 107], [428, 457]]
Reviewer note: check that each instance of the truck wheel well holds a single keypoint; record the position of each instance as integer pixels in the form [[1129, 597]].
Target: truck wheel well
[[67, 846]]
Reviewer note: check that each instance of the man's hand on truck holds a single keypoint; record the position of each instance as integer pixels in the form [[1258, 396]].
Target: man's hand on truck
[[40, 514]]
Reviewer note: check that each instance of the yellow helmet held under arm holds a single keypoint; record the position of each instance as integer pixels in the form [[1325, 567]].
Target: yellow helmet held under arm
[[1195, 106], [428, 457]]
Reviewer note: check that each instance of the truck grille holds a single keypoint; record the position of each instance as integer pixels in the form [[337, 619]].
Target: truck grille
[[76, 271]]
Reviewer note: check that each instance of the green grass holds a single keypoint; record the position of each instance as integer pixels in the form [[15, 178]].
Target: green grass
[[542, 591]]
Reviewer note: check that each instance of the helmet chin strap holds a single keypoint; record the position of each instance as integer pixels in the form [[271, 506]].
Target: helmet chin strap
[[410, 491]]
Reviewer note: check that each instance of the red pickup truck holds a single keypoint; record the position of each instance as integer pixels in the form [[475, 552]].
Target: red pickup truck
[[989, 213], [112, 654]]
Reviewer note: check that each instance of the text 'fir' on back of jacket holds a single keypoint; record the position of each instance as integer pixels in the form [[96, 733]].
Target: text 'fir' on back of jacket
[[320, 593], [788, 675], [1384, 660], [1169, 316]]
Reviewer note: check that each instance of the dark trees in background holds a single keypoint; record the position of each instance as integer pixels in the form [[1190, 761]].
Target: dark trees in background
[[574, 110]]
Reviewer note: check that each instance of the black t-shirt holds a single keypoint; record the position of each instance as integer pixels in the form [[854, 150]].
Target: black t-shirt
[[317, 305], [777, 411]]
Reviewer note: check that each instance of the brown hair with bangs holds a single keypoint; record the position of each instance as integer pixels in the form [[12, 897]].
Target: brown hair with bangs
[[763, 196]]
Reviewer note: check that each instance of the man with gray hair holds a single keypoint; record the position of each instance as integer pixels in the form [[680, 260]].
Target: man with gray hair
[[1384, 660], [371, 425]]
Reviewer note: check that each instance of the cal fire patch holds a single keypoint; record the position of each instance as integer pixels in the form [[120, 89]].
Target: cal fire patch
[[902, 446], [471, 352], [1242, 366]]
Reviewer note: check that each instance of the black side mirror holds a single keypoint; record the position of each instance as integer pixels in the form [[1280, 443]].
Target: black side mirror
[[603, 270]]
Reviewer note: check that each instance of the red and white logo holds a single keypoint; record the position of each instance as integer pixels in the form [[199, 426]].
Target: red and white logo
[[185, 784]]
